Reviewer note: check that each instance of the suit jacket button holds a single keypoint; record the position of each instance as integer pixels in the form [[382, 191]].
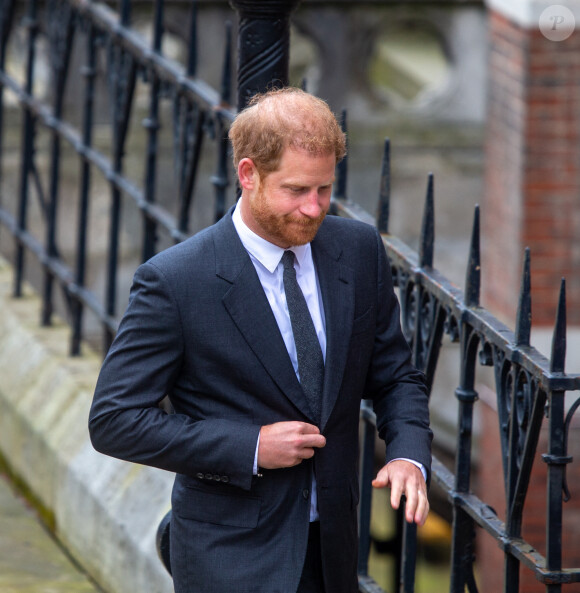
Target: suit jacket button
[[305, 493], [225, 479], [217, 477], [208, 477], [199, 475]]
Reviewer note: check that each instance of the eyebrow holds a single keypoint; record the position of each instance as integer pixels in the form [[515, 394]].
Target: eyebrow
[[290, 184]]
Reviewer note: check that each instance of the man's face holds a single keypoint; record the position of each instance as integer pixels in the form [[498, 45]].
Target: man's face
[[288, 206]]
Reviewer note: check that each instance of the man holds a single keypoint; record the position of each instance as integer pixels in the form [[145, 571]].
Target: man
[[264, 438]]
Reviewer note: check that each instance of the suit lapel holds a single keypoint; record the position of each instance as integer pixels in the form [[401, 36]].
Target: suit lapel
[[337, 288], [250, 310]]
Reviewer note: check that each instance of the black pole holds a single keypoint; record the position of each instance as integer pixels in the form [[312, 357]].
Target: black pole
[[263, 45]]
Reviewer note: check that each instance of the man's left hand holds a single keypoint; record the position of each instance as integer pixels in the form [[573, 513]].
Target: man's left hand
[[405, 478]]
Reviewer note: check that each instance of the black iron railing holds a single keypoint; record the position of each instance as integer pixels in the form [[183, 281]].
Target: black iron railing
[[56, 33]]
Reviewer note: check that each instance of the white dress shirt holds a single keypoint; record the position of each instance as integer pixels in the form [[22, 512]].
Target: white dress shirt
[[266, 259]]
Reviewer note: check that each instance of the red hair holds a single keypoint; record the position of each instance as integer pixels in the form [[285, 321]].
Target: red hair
[[280, 118]]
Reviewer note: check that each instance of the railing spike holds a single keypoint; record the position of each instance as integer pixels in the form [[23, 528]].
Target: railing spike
[[385, 190], [558, 359], [524, 315], [157, 39], [473, 275], [342, 167], [226, 90], [428, 228], [125, 12], [192, 46]]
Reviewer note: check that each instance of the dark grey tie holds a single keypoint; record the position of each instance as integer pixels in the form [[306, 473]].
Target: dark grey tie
[[310, 361]]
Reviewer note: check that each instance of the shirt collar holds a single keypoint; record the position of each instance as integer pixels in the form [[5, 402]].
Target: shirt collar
[[268, 254]]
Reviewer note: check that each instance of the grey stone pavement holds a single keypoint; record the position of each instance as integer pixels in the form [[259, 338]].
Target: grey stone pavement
[[31, 561]]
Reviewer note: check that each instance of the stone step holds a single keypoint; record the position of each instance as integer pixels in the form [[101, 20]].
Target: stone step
[[31, 560]]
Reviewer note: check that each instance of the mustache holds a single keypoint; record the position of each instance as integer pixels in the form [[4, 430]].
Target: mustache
[[304, 221]]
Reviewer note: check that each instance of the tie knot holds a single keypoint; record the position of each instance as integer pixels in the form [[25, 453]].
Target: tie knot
[[288, 260]]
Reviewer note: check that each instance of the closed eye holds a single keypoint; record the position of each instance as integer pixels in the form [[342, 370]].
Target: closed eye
[[296, 189]]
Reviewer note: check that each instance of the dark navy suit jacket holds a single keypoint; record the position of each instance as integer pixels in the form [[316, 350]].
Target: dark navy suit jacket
[[199, 328]]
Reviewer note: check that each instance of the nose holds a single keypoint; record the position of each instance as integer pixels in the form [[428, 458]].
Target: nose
[[311, 205]]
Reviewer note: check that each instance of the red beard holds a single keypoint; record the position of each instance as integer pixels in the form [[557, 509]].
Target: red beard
[[284, 230]]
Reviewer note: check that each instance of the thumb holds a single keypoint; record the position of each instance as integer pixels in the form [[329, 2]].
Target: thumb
[[382, 480]]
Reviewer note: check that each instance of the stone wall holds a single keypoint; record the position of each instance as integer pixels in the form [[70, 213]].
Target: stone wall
[[105, 512]]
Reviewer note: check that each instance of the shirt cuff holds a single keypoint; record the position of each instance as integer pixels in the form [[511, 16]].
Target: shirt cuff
[[419, 465], [255, 470]]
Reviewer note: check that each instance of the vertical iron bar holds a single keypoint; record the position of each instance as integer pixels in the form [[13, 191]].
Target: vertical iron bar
[[556, 457], [409, 557], [61, 51], [368, 455], [463, 529], [89, 72], [514, 492], [192, 43], [125, 13], [398, 544], [190, 145], [339, 188], [111, 297], [220, 179], [406, 535], [385, 190], [431, 354], [188, 150], [6, 20], [226, 83], [123, 91], [263, 45], [28, 129], [511, 580], [152, 126]]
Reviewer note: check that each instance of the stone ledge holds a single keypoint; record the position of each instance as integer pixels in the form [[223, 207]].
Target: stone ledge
[[104, 511]]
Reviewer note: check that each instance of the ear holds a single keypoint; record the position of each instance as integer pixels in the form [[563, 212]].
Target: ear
[[248, 174]]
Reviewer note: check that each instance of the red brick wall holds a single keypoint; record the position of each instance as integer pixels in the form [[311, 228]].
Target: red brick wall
[[532, 170], [532, 198]]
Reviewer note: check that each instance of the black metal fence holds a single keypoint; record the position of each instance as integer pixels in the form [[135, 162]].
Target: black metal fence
[[77, 48]]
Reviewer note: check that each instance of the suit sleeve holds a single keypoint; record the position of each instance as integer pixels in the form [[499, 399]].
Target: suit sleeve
[[396, 387], [140, 368]]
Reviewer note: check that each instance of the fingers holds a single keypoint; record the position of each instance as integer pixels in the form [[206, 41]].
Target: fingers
[[422, 510], [416, 506], [285, 444], [310, 435], [406, 479]]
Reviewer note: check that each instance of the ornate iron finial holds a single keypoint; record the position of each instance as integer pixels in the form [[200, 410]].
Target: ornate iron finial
[[473, 276], [385, 190], [192, 43], [263, 45], [558, 359], [426, 248], [524, 315], [157, 38], [226, 88], [125, 13]]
